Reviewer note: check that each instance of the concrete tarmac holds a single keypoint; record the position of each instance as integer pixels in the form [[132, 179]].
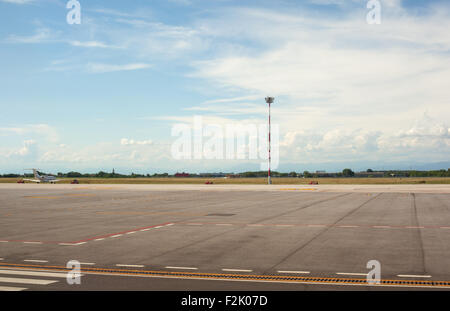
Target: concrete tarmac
[[261, 237]]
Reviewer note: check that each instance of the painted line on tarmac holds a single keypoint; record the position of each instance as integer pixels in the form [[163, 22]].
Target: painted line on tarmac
[[242, 277], [36, 261], [182, 268], [413, 276], [313, 225], [237, 270], [294, 272], [130, 266], [351, 273]]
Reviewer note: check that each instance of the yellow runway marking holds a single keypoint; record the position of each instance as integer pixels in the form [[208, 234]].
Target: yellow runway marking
[[241, 277]]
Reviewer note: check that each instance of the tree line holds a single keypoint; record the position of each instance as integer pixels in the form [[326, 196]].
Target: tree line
[[255, 174]]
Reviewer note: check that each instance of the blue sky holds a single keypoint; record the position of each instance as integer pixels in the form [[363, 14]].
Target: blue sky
[[105, 94]]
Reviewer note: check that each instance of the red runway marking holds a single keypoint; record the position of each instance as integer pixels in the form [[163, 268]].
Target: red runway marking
[[89, 238]]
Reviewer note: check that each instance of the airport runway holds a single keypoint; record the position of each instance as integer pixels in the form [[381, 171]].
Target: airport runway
[[227, 237]]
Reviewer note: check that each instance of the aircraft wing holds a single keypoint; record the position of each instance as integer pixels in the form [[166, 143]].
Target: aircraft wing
[[33, 180]]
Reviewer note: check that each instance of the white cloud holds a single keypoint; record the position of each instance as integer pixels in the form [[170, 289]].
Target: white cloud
[[41, 35], [17, 1], [103, 68], [92, 44], [126, 142]]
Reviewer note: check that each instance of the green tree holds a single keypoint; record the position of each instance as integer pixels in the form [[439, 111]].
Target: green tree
[[348, 173]]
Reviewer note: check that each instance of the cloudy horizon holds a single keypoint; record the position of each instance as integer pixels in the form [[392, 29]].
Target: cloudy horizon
[[106, 93]]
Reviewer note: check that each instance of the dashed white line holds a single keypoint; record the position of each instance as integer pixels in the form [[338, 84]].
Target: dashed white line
[[348, 226], [69, 244], [34, 273], [11, 289], [237, 270], [131, 232], [412, 227], [296, 272], [32, 242], [381, 227], [35, 260], [130, 266], [1, 259], [26, 281], [351, 273], [101, 239], [413, 276], [169, 225], [87, 263], [116, 236], [284, 225], [145, 229], [182, 268], [224, 224], [157, 227], [81, 243]]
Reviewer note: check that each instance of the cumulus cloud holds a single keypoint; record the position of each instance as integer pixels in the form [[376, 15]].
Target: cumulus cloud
[[127, 142], [103, 68]]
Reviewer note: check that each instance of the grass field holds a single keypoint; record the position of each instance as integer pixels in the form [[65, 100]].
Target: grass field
[[276, 181]]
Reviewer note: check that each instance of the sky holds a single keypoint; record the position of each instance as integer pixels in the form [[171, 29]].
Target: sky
[[107, 93]]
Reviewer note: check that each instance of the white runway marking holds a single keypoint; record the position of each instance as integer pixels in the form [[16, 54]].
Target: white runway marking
[[34, 260], [34, 273], [351, 273], [11, 289], [26, 281], [316, 226], [130, 266], [32, 242], [131, 232], [224, 224], [299, 272], [413, 276], [381, 227], [4, 241], [412, 227], [237, 270], [1, 259], [169, 225], [182, 268], [158, 227], [116, 236], [68, 244], [284, 225], [87, 263], [145, 229], [81, 243], [348, 226], [101, 239]]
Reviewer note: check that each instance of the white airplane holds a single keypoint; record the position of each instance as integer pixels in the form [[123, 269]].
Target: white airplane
[[38, 178]]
